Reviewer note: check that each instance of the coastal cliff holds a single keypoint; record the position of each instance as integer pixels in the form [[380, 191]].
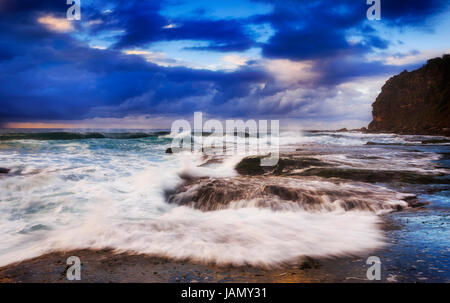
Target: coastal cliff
[[415, 102]]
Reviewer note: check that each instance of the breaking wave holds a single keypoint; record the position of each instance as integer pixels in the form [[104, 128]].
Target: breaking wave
[[78, 136], [130, 196]]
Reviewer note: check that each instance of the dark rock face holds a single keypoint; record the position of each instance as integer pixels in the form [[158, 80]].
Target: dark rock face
[[375, 176], [342, 130], [281, 193], [252, 165], [415, 102], [4, 170]]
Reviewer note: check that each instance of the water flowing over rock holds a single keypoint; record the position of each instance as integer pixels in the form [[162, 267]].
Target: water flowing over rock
[[286, 193], [415, 102]]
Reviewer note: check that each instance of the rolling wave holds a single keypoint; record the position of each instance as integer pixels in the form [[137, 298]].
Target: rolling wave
[[77, 136]]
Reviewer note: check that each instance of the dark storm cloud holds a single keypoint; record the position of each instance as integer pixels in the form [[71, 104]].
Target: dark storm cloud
[[413, 12], [40, 84], [143, 24], [313, 29], [46, 75], [11, 7]]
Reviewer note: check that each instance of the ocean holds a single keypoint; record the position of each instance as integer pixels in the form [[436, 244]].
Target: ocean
[[331, 197]]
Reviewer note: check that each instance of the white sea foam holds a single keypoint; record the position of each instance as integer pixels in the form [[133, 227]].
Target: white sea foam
[[243, 236], [110, 193]]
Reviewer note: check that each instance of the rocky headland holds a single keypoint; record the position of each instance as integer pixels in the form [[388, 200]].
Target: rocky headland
[[415, 102]]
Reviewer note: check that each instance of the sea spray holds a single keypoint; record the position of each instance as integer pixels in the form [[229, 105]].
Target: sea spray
[[108, 193]]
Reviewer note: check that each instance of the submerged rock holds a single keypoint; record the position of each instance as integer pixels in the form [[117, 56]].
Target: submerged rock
[[375, 176], [435, 141], [284, 193], [415, 102], [4, 170], [393, 144], [252, 165]]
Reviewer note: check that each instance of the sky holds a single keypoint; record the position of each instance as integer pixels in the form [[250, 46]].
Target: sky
[[311, 64]]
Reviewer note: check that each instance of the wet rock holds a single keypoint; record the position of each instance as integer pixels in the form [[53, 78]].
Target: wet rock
[[286, 165], [252, 165], [373, 176], [278, 193], [282, 192], [342, 130], [376, 143], [417, 204], [169, 150], [4, 170], [309, 263], [393, 144], [435, 141], [206, 194]]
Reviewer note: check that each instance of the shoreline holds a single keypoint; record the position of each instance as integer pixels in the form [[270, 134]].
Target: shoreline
[[417, 249], [106, 266], [403, 260]]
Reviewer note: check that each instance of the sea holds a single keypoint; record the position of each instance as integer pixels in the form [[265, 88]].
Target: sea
[[84, 189]]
